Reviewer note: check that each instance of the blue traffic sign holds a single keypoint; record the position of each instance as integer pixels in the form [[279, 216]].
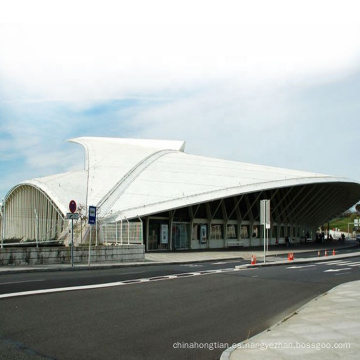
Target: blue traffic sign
[[92, 215]]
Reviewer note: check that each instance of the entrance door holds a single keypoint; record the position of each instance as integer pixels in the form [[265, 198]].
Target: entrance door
[[180, 236]]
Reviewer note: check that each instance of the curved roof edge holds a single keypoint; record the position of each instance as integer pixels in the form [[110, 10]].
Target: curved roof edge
[[156, 144], [222, 193], [148, 143], [43, 189], [59, 195]]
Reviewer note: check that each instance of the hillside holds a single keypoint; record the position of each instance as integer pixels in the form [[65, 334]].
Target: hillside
[[342, 222]]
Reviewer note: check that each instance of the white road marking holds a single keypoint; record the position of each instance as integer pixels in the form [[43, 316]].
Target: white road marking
[[19, 282], [345, 273], [300, 266], [336, 270], [118, 283], [192, 265]]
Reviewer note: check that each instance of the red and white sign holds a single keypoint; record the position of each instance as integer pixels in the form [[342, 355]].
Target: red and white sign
[[72, 206]]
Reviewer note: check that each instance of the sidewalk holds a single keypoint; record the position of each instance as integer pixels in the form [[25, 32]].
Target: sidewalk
[[326, 328], [275, 255]]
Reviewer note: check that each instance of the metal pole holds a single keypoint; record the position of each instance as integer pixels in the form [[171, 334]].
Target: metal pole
[[264, 224], [96, 236], [121, 239], [141, 234], [37, 228], [3, 224], [264, 244], [128, 231], [72, 242], [90, 246]]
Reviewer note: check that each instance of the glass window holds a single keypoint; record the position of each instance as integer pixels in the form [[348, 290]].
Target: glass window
[[195, 232], [256, 231], [244, 232], [154, 231], [282, 231], [274, 232], [231, 232], [158, 235], [180, 236], [216, 232]]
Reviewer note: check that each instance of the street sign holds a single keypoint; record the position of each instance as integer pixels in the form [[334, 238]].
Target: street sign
[[265, 221], [265, 213], [72, 206], [92, 215], [72, 216]]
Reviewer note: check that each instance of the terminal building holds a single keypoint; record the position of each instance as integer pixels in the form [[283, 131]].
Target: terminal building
[[152, 192]]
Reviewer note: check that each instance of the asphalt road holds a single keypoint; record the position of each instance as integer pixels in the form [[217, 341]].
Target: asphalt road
[[158, 316]]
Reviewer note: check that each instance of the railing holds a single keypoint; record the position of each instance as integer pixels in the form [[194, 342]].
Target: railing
[[121, 233]]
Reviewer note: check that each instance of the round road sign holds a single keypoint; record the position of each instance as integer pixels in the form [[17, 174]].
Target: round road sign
[[72, 206]]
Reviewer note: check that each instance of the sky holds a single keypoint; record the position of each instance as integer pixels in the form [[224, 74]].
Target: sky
[[268, 82]]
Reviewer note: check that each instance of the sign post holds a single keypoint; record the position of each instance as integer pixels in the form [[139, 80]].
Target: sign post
[[72, 215], [265, 221], [91, 221]]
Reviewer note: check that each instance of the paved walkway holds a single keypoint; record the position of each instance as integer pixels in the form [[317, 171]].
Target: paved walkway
[[181, 257], [326, 328]]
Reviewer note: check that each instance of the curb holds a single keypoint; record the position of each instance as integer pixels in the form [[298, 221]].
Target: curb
[[226, 355], [80, 267], [299, 261]]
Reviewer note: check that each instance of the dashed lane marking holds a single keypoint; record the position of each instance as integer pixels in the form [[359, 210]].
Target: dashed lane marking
[[19, 282], [336, 270], [340, 263], [118, 283], [300, 266]]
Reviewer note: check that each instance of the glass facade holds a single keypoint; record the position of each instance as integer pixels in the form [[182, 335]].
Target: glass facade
[[231, 231], [180, 236], [218, 223], [256, 231], [158, 235], [216, 232], [245, 231]]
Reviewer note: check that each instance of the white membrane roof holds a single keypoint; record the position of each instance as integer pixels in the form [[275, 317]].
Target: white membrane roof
[[127, 178]]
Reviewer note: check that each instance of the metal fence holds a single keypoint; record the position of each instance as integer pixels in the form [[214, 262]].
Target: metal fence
[[121, 233]]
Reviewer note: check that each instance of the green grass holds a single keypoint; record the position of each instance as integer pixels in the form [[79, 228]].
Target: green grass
[[342, 222]]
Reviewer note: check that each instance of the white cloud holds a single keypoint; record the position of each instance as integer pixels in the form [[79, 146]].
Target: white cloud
[[227, 76], [111, 49]]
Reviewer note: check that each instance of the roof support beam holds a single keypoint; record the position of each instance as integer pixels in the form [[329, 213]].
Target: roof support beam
[[236, 205], [303, 203], [281, 201], [251, 205], [311, 208]]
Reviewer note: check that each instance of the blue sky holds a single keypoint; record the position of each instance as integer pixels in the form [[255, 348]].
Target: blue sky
[[274, 83]]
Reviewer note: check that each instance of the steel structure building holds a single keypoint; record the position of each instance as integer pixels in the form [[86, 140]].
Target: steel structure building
[[182, 201]]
